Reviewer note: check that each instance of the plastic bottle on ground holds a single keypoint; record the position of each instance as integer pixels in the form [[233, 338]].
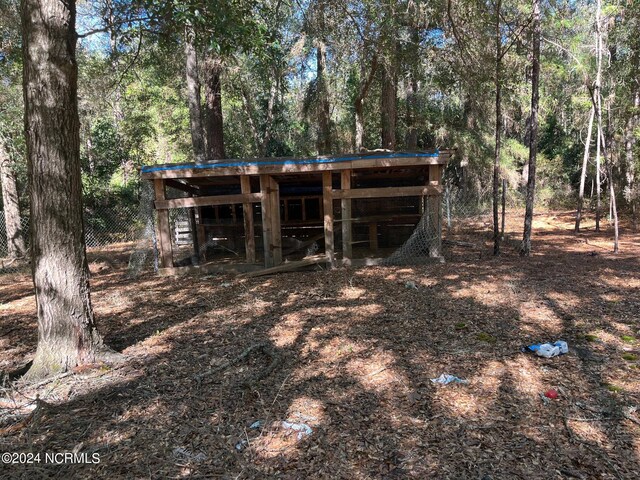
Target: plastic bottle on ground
[[564, 348], [547, 350]]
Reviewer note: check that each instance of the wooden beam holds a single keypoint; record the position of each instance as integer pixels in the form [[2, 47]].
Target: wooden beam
[[386, 192], [247, 213], [276, 233], [345, 204], [327, 207], [164, 232], [434, 175], [265, 187], [237, 268], [208, 201], [179, 185], [289, 266]]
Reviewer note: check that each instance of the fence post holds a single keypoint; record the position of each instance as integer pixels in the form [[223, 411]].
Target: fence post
[[448, 200], [504, 202]]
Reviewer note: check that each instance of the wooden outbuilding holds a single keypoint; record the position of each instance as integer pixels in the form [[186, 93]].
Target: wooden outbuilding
[[251, 202]]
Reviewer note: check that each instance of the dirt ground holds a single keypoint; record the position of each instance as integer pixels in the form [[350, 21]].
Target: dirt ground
[[216, 363]]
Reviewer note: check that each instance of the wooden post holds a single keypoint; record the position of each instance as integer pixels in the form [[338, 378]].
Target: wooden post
[[504, 204], [434, 210], [276, 233], [202, 236], [434, 174], [373, 236], [266, 219], [194, 233], [327, 206], [164, 233], [347, 250], [247, 213]]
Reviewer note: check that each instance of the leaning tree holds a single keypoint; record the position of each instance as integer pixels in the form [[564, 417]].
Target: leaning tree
[[67, 334]]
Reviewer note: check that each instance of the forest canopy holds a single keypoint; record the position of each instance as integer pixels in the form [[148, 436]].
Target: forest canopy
[[307, 77]]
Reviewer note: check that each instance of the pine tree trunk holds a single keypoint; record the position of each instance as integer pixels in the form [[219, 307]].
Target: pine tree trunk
[[411, 139], [213, 108], [193, 96], [614, 213], [583, 174], [365, 83], [412, 131], [359, 139], [598, 96], [630, 142], [67, 334], [533, 143], [496, 159], [324, 109], [15, 241], [388, 107]]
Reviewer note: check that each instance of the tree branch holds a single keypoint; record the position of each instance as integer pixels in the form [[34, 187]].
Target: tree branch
[[110, 26]]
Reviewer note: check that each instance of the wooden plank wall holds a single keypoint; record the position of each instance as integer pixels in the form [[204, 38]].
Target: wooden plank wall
[[327, 204], [345, 203], [247, 212], [164, 233], [270, 203]]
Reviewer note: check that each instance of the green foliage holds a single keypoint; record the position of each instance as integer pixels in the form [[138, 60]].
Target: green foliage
[[485, 337], [133, 107]]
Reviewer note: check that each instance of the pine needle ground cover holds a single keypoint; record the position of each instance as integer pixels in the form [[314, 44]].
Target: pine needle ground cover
[[216, 364]]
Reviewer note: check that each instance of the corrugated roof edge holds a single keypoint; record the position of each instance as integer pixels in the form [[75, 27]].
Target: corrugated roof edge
[[288, 160]]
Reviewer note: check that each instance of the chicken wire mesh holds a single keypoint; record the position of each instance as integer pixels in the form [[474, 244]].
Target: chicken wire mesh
[[127, 229], [426, 239], [132, 230]]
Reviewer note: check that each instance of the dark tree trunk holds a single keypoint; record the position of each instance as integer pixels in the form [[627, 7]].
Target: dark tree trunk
[[15, 241], [412, 131], [496, 159], [67, 334], [388, 107], [324, 109], [365, 83], [193, 96], [213, 108], [630, 141], [533, 143], [411, 140]]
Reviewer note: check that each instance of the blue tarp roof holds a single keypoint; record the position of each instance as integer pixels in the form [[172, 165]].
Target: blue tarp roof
[[286, 161]]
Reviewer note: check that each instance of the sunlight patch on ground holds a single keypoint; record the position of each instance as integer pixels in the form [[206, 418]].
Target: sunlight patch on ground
[[293, 299], [489, 378], [536, 317], [307, 410], [305, 416], [339, 349], [376, 373], [286, 332], [526, 375], [486, 291], [459, 401], [352, 293], [591, 432]]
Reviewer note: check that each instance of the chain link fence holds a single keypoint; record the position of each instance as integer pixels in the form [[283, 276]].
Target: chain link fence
[[123, 226], [130, 230]]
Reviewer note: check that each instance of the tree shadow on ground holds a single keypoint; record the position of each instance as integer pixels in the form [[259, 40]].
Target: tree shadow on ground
[[357, 350]]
